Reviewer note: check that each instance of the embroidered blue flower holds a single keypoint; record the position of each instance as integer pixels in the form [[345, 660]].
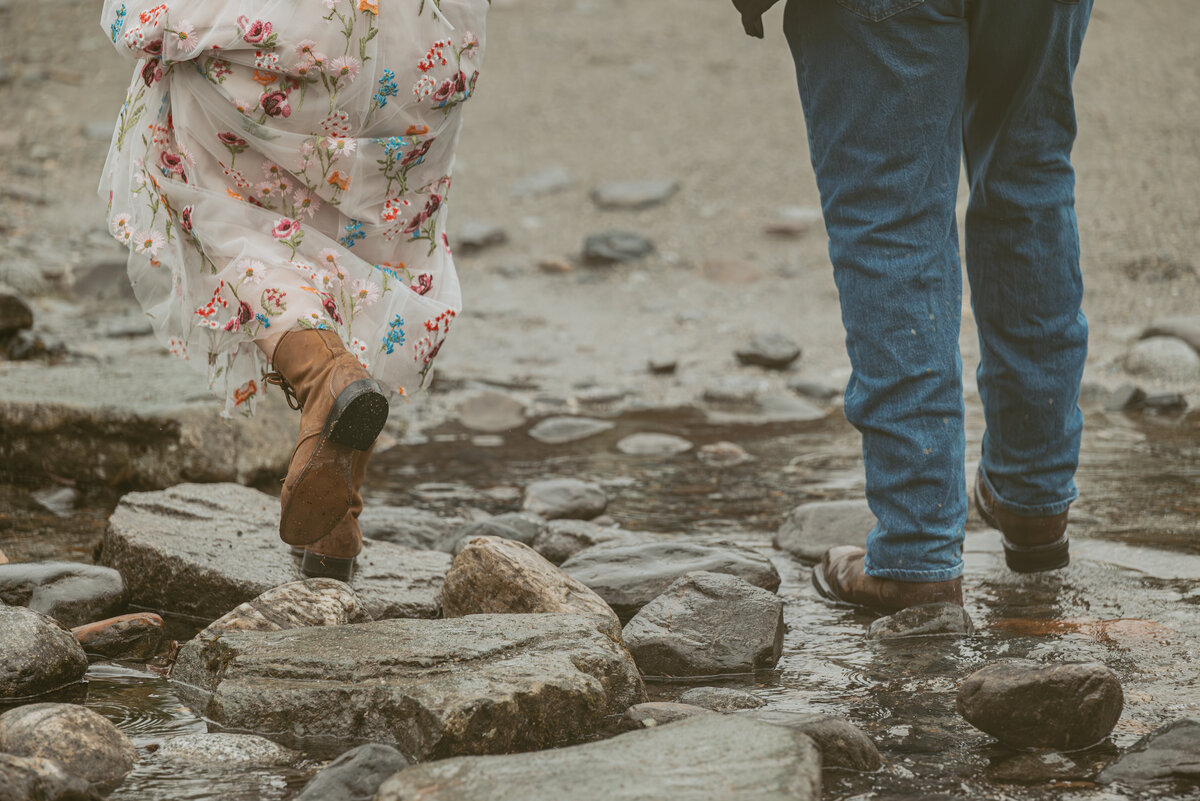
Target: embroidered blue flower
[[354, 233], [395, 335], [118, 24], [387, 271], [392, 145], [264, 319], [387, 88]]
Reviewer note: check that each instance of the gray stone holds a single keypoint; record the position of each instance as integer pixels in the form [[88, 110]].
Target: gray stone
[[630, 576], [927, 620], [1038, 767], [1164, 358], [1171, 752], [794, 221], [562, 539], [15, 314], [475, 236], [83, 742], [565, 497], [225, 750], [1029, 705], [26, 778], [498, 576], [843, 745], [57, 500], [662, 365], [135, 636], [147, 422], [736, 389], [561, 430], [613, 247], [24, 276], [721, 699], [355, 775], [777, 407], [707, 624], [813, 390], [410, 526], [521, 527], [709, 757], [491, 412], [723, 454], [70, 592], [527, 524], [1124, 398], [298, 604], [433, 688], [1186, 328], [658, 713], [772, 351], [107, 279], [633, 195], [203, 549], [813, 528], [37, 654], [548, 181], [653, 445]]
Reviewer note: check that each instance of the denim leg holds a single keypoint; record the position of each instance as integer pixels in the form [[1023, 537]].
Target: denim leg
[[1022, 246], [882, 86]]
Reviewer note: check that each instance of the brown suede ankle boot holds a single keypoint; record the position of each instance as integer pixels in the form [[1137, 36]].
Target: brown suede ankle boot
[[342, 411], [332, 556], [841, 577], [1031, 544]]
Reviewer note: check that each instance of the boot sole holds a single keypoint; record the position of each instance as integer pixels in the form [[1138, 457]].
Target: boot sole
[[317, 565], [358, 415], [1029, 558]]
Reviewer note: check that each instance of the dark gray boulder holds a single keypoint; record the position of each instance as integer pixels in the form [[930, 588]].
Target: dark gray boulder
[[1025, 704], [355, 775], [70, 592], [630, 576], [84, 743], [37, 654], [27, 778], [706, 758], [203, 549], [813, 528], [433, 688], [843, 745], [565, 498], [1171, 752], [707, 624]]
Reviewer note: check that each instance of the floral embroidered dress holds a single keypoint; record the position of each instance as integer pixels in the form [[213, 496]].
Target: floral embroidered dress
[[283, 164]]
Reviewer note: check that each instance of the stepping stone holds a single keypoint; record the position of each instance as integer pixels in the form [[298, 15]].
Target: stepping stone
[[813, 528], [561, 430], [1171, 752], [569, 498], [355, 775], [70, 592], [202, 549], [23, 778], [842, 744], [226, 750], [37, 654], [432, 688], [653, 445], [721, 699]]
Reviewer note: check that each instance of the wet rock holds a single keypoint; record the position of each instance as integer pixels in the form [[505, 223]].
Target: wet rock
[[724, 454], [707, 624], [653, 445], [1029, 705], [1186, 328], [1164, 359], [658, 713], [497, 576], [662, 366], [113, 424], [565, 497], [783, 408], [630, 576], [475, 236], [709, 757], [1171, 752], [927, 620], [230, 751], [603, 395], [70, 592], [27, 778], [1038, 767], [434, 688], [492, 412], [813, 528], [842, 744], [527, 524], [355, 775], [37, 654], [614, 247], [794, 221], [1124, 398], [409, 526], [721, 699], [83, 742], [736, 389], [298, 604], [1165, 402], [135, 636], [57, 500], [549, 181], [203, 549], [15, 314], [772, 351], [107, 279], [813, 390], [562, 539], [521, 527], [561, 430], [633, 195]]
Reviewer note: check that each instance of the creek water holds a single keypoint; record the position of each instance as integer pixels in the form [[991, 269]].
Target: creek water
[[1129, 599]]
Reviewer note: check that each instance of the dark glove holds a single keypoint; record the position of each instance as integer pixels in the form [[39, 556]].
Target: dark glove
[[752, 11]]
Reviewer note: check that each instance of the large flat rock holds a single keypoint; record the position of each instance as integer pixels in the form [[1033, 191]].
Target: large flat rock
[[203, 549], [700, 759], [148, 422], [481, 684]]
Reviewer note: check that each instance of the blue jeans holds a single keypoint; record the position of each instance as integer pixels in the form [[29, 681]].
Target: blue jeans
[[896, 94]]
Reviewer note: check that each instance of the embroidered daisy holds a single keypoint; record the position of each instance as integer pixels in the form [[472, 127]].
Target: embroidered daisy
[[329, 258], [364, 292], [340, 146], [149, 242], [345, 67], [253, 271], [306, 202], [186, 36], [119, 225]]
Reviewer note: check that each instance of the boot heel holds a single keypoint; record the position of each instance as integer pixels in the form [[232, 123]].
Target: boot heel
[[317, 565], [358, 415], [1037, 558]]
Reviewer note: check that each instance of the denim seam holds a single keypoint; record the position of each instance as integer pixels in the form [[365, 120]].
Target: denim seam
[[1024, 510]]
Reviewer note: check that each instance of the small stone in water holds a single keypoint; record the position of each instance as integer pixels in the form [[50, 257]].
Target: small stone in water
[[235, 751], [813, 390], [721, 699], [15, 314], [658, 713], [662, 366], [1164, 359], [724, 454], [813, 528], [561, 430], [653, 445], [37, 655], [842, 744], [1124, 398], [355, 775], [491, 412], [565, 498], [86, 744], [25, 778], [135, 636], [475, 236], [794, 221], [613, 247], [1171, 752], [70, 592], [633, 195], [544, 182], [926, 620], [772, 351]]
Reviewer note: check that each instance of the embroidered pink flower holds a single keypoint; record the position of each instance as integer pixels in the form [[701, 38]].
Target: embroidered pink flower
[[171, 163], [331, 309], [445, 91], [286, 228], [230, 139], [185, 219], [422, 284], [275, 104], [345, 67], [254, 32]]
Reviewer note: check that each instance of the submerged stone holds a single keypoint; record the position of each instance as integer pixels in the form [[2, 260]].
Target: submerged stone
[[135, 636], [565, 498], [355, 775], [1171, 752], [562, 539], [27, 778], [843, 745], [227, 750], [85, 743], [659, 713], [926, 620], [721, 699], [561, 430], [772, 351]]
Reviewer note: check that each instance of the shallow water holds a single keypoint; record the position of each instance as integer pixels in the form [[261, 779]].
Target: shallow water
[[1129, 598]]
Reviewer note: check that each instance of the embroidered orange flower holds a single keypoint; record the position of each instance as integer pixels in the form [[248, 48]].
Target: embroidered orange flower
[[265, 78], [417, 130], [342, 182], [370, 6], [245, 392], [233, 194]]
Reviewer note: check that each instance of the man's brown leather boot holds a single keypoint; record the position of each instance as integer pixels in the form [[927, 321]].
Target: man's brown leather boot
[[1031, 544], [332, 556], [841, 577], [342, 411]]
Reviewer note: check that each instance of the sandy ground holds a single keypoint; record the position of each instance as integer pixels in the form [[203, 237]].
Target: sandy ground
[[666, 89]]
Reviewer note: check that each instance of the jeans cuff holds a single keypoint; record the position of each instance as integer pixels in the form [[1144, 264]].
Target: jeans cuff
[[1025, 510], [941, 574]]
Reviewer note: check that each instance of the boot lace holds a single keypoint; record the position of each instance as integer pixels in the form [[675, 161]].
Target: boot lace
[[288, 391]]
